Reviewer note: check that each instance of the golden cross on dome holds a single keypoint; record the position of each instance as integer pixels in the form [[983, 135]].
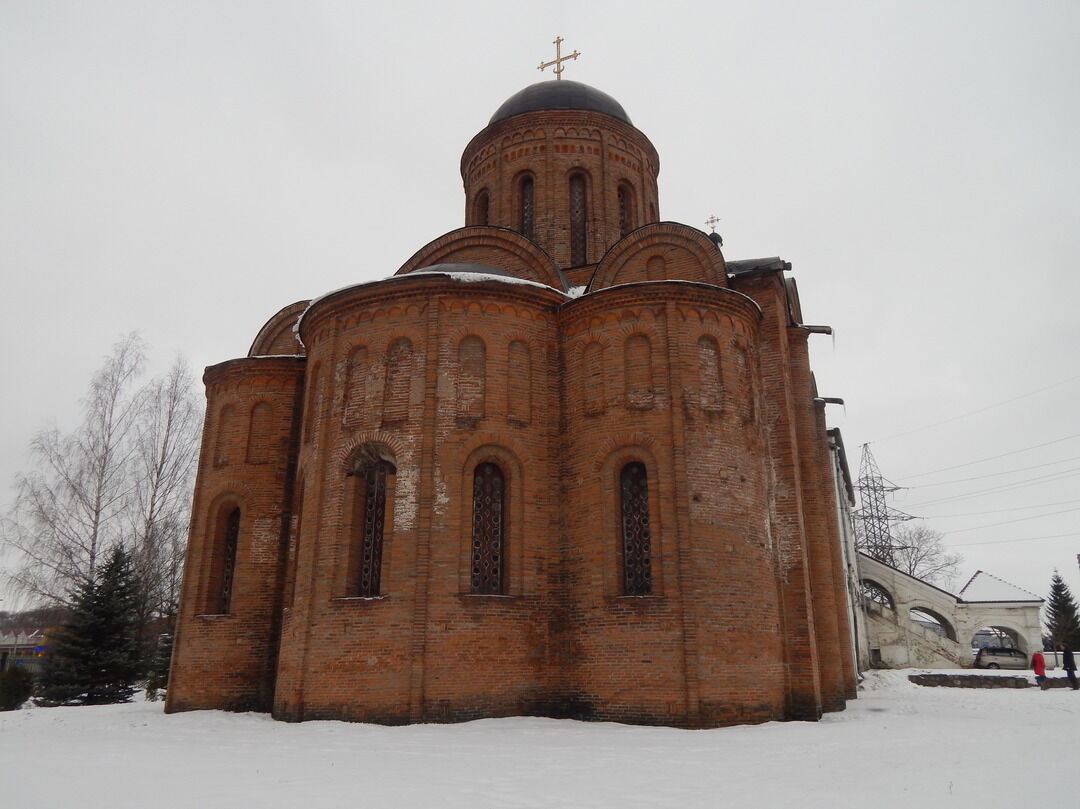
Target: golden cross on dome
[[559, 58], [712, 222]]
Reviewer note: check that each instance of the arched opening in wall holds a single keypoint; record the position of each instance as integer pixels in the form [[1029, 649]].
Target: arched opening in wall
[[471, 380], [226, 537], [579, 246], [487, 563], [635, 539], [625, 197], [875, 597], [931, 621], [526, 188], [481, 209], [995, 637], [368, 502]]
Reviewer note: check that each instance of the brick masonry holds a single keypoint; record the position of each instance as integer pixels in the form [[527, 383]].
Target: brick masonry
[[664, 360]]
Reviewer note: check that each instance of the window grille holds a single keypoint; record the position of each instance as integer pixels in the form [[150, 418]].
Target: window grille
[[578, 218], [527, 206], [626, 217], [374, 521], [634, 507], [488, 530], [228, 564]]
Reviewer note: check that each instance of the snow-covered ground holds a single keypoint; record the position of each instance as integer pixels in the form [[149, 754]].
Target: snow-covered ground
[[898, 745]]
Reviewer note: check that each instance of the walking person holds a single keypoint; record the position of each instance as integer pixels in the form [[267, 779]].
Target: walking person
[[1068, 662], [1038, 665]]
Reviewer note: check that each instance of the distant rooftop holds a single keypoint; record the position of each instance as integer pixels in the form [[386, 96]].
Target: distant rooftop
[[986, 587]]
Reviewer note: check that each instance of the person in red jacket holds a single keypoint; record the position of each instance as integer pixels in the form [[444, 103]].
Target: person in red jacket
[[1038, 665]]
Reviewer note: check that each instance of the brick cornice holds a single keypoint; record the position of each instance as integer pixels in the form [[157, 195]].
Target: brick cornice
[[549, 120], [661, 292], [247, 369], [403, 289]]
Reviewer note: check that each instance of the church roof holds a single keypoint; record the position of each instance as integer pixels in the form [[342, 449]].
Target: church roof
[[985, 587], [561, 94]]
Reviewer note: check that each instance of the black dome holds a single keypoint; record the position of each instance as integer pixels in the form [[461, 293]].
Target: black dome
[[560, 95]]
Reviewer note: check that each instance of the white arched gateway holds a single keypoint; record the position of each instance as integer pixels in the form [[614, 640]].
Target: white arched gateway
[[910, 622]]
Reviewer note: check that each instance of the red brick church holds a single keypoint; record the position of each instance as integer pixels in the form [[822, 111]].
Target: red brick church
[[567, 461]]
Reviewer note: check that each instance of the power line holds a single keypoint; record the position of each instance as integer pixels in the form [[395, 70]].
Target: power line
[[996, 511], [980, 410], [1003, 541], [1068, 473], [991, 458], [992, 474], [1010, 522]]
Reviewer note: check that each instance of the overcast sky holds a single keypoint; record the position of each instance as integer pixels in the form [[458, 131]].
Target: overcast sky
[[185, 169]]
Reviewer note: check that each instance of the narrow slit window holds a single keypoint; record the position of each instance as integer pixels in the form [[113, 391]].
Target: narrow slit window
[[636, 538], [526, 223], [578, 219], [488, 530], [228, 538], [369, 521]]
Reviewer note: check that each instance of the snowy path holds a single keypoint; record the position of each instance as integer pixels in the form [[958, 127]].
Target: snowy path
[[898, 745]]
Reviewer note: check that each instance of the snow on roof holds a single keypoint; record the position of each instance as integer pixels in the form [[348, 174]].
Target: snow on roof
[[986, 587], [466, 277]]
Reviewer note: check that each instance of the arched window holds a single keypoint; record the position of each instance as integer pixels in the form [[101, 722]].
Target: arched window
[[578, 218], [626, 208], [637, 365], [356, 384], [709, 373], [488, 530], [223, 560], [634, 523], [398, 378], [471, 378], [525, 206], [259, 437], [226, 430], [366, 526], [481, 208]]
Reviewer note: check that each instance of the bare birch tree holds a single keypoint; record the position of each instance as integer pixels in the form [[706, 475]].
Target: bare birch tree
[[122, 477], [66, 512], [166, 443]]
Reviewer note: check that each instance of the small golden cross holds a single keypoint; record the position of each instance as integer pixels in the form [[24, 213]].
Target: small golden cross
[[712, 222], [559, 59]]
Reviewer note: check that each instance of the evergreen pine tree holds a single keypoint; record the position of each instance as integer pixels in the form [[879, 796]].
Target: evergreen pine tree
[[96, 656], [1062, 619]]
